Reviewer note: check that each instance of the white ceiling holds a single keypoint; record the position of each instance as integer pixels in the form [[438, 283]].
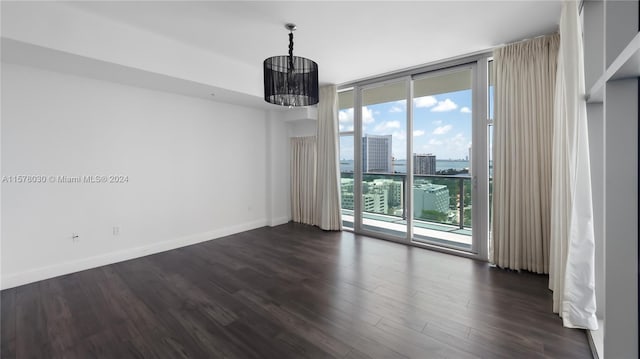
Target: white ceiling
[[348, 40]]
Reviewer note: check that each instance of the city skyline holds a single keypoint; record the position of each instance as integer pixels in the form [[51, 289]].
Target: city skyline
[[442, 125]]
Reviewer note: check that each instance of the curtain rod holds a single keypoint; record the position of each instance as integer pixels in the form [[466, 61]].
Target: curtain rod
[[523, 40], [450, 60]]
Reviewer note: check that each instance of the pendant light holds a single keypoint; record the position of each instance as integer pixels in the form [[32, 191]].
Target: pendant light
[[290, 80]]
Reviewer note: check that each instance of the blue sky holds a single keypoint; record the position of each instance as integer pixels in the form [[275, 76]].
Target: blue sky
[[442, 125]]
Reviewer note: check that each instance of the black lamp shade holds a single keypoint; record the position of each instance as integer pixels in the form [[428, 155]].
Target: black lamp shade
[[286, 86]]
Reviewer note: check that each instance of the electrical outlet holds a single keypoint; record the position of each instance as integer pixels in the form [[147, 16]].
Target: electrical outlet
[[75, 237], [116, 230]]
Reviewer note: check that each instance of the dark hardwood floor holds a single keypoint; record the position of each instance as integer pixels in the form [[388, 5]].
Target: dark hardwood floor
[[291, 291]]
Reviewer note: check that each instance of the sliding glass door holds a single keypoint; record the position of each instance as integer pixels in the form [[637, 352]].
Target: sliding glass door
[[442, 157], [382, 143], [414, 158]]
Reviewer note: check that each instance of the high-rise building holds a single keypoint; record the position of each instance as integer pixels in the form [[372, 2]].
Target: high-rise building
[[376, 154], [375, 201], [395, 194], [430, 197], [424, 164], [346, 195]]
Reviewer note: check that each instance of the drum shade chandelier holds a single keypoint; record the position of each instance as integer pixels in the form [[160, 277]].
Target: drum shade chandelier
[[290, 80]]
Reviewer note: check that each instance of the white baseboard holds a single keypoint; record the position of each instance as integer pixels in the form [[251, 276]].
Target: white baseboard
[[278, 221], [36, 274]]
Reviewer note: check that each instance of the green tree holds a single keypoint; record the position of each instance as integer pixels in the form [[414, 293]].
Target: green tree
[[433, 216], [467, 217]]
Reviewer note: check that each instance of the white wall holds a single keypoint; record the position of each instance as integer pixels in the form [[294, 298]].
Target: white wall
[[196, 171], [303, 128], [279, 207], [621, 218], [596, 152]]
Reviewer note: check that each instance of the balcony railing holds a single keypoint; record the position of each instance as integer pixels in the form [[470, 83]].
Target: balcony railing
[[378, 187], [441, 213]]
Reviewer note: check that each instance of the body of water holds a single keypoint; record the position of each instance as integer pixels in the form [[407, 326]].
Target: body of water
[[400, 166]]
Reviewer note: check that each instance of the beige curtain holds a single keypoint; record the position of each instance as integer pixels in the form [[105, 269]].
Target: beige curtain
[[525, 75], [328, 215], [303, 179]]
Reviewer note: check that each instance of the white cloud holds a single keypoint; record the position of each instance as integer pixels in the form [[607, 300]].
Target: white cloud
[[465, 110], [448, 147], [418, 133], [459, 141], [386, 126], [444, 106], [426, 101], [345, 117], [442, 130], [399, 136], [399, 106], [367, 115]]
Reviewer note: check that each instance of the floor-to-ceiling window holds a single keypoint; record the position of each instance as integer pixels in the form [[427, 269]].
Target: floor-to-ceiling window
[[382, 133], [442, 157], [414, 157], [346, 156]]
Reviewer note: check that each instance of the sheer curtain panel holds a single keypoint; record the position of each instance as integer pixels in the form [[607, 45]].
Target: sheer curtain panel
[[328, 181], [571, 272], [303, 179], [524, 94]]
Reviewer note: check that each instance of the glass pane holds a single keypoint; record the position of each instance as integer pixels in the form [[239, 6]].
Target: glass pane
[[384, 129], [442, 130], [345, 117], [345, 111], [346, 154], [346, 180], [384, 149], [383, 204]]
